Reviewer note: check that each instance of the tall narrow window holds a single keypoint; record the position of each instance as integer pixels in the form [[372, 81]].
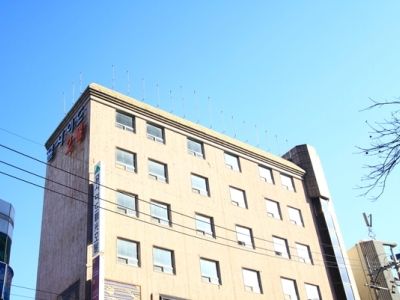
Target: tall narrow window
[[273, 209], [312, 292], [158, 170], [127, 203], [195, 148], [232, 161], [210, 271], [200, 185], [266, 174], [289, 289], [251, 280], [281, 247], [303, 253], [287, 182], [238, 197], [295, 216], [124, 121], [205, 225], [244, 236], [160, 212], [163, 260], [127, 252], [155, 133], [125, 160]]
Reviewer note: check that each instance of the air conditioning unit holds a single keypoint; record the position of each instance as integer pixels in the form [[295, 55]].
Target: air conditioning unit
[[241, 243]]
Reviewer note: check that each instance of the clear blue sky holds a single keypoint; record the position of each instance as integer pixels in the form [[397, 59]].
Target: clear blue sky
[[273, 73]]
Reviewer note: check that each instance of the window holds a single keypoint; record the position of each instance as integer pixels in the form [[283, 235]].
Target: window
[[200, 185], [281, 247], [195, 148], [127, 252], [304, 254], [155, 133], [163, 297], [158, 171], [127, 203], [160, 212], [295, 216], [163, 260], [244, 236], [210, 271], [126, 160], [238, 197], [232, 161], [287, 182], [251, 280], [266, 174], [312, 292], [289, 289], [273, 209], [205, 225], [124, 121]]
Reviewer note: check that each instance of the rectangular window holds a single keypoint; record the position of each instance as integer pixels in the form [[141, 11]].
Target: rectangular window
[[232, 161], [126, 160], [273, 209], [303, 253], [200, 185], [251, 280], [289, 289], [266, 174], [158, 171], [238, 197], [287, 182], [295, 216], [195, 148], [205, 225], [128, 252], [163, 260], [160, 212], [155, 133], [244, 236], [312, 292], [127, 203], [281, 247], [210, 271], [124, 121]]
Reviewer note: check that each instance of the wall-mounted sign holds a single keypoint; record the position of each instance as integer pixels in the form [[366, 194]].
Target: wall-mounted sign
[[73, 132]]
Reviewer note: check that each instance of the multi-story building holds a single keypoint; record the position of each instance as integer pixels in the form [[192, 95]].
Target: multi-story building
[[373, 269], [141, 204]]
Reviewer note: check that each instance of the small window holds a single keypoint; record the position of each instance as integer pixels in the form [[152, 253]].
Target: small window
[[273, 209], [155, 133], [238, 197], [303, 253], [244, 236], [251, 280], [287, 182], [266, 174], [163, 260], [200, 185], [127, 203], [210, 271], [160, 212], [232, 161], [158, 171], [128, 252], [281, 247], [124, 121], [289, 289], [295, 216], [312, 292], [195, 148], [126, 160], [205, 225]]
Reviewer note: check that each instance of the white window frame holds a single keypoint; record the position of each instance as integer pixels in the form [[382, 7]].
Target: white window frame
[[208, 279], [304, 253], [252, 284], [281, 247], [232, 161], [124, 126], [271, 213], [158, 177], [312, 291], [125, 166], [203, 192], [128, 260], [233, 191], [194, 152], [268, 177], [164, 206], [244, 236], [168, 269], [154, 137], [287, 182], [198, 218], [124, 209], [295, 216], [292, 293]]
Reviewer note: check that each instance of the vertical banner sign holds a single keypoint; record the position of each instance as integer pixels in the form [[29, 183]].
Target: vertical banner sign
[[98, 234]]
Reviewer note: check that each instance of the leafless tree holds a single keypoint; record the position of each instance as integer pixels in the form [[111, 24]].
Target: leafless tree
[[384, 149]]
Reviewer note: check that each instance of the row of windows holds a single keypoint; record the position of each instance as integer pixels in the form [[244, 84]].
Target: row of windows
[[196, 148], [164, 261]]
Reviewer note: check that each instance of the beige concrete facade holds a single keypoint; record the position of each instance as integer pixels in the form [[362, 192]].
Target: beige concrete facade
[[65, 263]]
